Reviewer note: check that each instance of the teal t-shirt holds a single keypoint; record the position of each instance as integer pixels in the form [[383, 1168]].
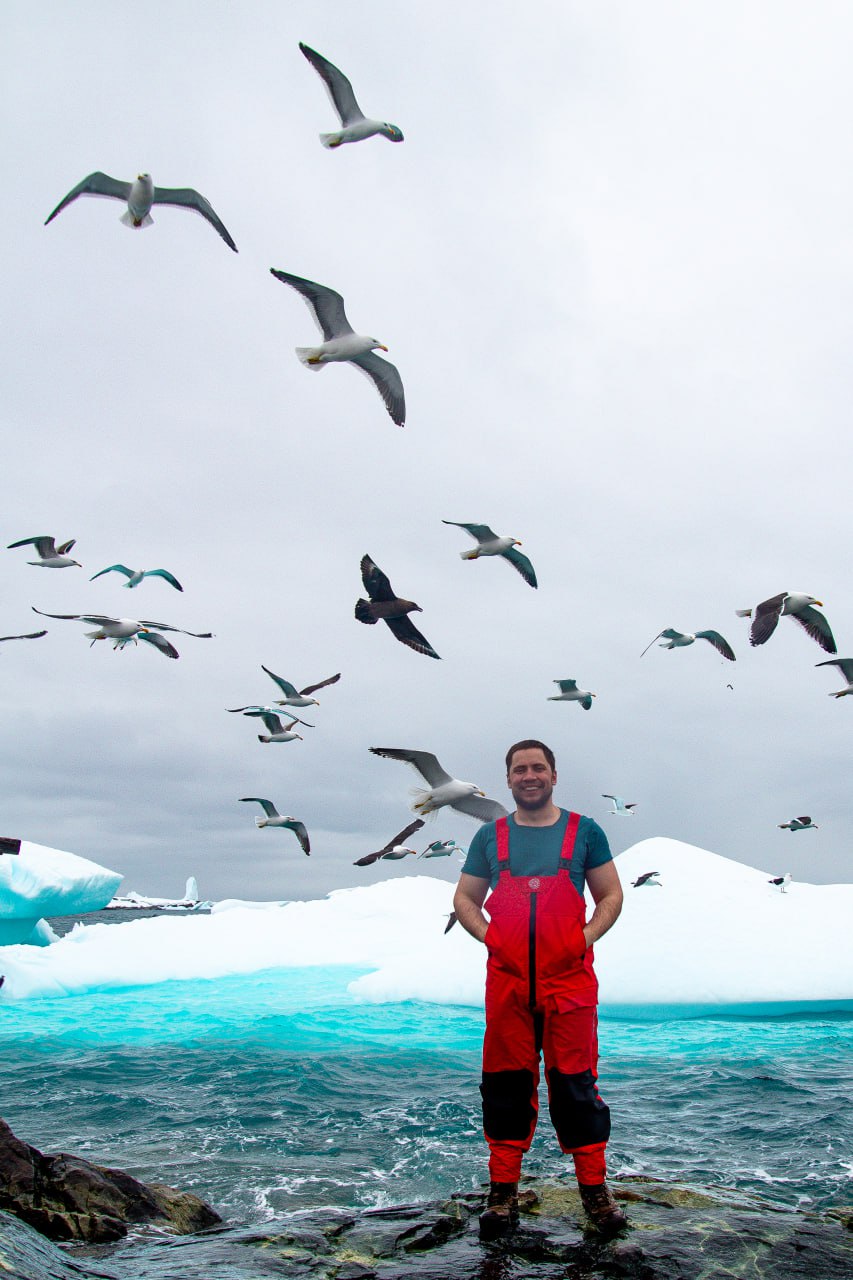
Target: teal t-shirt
[[535, 851]]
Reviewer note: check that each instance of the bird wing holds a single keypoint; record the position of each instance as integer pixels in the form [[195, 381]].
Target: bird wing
[[407, 633], [480, 807], [272, 722], [386, 378], [327, 306], [586, 702], [30, 635], [567, 686], [44, 545], [766, 617], [451, 921], [288, 689], [720, 644], [164, 626], [402, 836], [65, 547], [187, 198], [300, 831], [368, 858], [95, 619], [424, 761], [845, 665], [657, 637], [481, 532], [97, 184], [817, 627], [337, 85], [520, 562], [376, 583], [119, 568], [310, 688], [159, 642], [267, 805], [163, 573], [805, 820]]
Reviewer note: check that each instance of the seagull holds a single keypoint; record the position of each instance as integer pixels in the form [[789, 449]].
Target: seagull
[[50, 556], [124, 630], [395, 848], [340, 343], [441, 849], [444, 790], [679, 639], [451, 921], [276, 731], [648, 877], [275, 819], [569, 692], [620, 806], [489, 544], [385, 605], [135, 576], [845, 666], [781, 882], [799, 607], [298, 698], [355, 125], [799, 824], [269, 711], [140, 195]]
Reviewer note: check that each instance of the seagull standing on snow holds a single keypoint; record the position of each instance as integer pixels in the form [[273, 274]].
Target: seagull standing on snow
[[275, 819], [140, 195], [782, 882], [444, 790], [135, 576], [845, 666], [795, 605], [341, 343], [395, 848], [50, 556], [799, 824], [294, 697], [679, 639], [569, 692], [490, 544], [620, 807], [355, 126], [386, 606]]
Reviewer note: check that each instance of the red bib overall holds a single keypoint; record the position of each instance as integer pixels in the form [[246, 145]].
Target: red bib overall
[[541, 996]]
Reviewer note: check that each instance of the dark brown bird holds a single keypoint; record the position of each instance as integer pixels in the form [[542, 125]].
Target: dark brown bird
[[386, 606]]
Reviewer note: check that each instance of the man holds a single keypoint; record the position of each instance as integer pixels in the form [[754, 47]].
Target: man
[[541, 991]]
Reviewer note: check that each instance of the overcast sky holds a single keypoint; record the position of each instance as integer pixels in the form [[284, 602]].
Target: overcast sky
[[613, 262]]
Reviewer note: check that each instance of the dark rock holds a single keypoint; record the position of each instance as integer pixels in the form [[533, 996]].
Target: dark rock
[[67, 1198]]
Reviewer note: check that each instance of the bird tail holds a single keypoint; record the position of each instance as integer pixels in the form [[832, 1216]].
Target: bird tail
[[330, 139], [260, 822], [310, 357], [262, 737], [469, 555], [134, 223], [743, 613], [364, 612]]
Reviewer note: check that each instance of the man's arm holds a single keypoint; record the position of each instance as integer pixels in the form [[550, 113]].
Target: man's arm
[[603, 883], [468, 902]]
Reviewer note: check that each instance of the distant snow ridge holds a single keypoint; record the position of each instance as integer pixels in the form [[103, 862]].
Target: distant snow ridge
[[715, 937]]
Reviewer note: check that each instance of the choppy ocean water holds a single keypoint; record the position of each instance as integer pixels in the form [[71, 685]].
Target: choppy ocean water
[[278, 1091]]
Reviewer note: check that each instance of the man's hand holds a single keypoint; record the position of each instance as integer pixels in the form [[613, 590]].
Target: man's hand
[[468, 902]]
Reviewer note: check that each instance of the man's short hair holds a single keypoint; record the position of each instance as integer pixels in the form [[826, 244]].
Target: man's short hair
[[531, 744]]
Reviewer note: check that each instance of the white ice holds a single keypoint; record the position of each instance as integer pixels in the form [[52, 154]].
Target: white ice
[[714, 935], [40, 882]]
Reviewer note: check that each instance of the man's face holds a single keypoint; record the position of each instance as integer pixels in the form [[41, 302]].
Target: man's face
[[531, 779]]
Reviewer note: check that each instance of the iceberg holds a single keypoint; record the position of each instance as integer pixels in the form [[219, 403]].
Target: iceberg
[[139, 901], [38, 881]]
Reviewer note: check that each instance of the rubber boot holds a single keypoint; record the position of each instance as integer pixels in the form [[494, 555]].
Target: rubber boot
[[501, 1213], [602, 1209]]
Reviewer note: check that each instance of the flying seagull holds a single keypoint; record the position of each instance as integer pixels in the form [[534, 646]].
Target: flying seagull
[[50, 556], [845, 666], [795, 605], [649, 878], [341, 343], [569, 692], [441, 849], [135, 576], [298, 698], [490, 544], [621, 807], [123, 630], [31, 635], [269, 711], [355, 126], [803, 823], [139, 196], [782, 882], [276, 731], [386, 606], [679, 639], [395, 848], [466, 797], [275, 819]]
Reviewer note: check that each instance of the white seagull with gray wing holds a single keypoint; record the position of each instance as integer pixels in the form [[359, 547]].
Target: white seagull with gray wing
[[355, 126], [793, 604], [845, 666], [275, 819], [466, 797], [490, 543], [50, 556], [569, 692], [680, 639], [123, 631], [342, 344]]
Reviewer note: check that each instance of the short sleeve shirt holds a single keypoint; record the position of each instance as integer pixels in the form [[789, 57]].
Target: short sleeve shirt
[[535, 851]]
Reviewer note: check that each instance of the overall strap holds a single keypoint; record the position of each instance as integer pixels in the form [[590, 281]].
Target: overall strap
[[569, 842], [502, 839]]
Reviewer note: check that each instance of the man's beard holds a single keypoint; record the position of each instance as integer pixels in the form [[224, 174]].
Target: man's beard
[[533, 800]]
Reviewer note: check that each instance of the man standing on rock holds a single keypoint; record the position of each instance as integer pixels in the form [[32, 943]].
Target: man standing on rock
[[541, 990]]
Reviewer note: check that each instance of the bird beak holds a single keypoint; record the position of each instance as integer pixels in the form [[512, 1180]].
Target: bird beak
[[382, 348], [820, 602], [478, 792]]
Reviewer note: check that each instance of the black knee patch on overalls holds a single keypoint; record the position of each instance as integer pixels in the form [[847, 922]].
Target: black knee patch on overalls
[[577, 1112], [508, 1112]]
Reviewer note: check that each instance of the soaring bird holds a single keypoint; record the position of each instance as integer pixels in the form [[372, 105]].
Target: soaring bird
[[648, 878], [124, 630], [276, 731], [797, 606], [135, 576], [490, 544], [623, 808], [50, 556], [395, 848], [845, 666], [341, 343], [355, 126], [441, 849], [679, 639], [275, 819], [298, 698], [782, 882], [385, 605], [31, 635], [269, 711], [443, 790], [569, 692], [140, 195], [803, 823]]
